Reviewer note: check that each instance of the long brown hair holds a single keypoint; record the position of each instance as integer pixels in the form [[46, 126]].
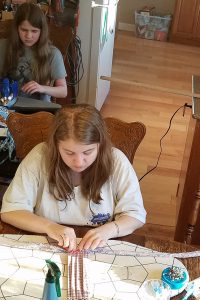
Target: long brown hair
[[41, 50], [84, 124]]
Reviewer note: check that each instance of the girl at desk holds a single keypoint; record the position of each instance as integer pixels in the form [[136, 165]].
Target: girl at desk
[[75, 178], [30, 58]]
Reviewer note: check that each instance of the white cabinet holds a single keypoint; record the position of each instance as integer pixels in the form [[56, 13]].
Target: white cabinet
[[96, 30]]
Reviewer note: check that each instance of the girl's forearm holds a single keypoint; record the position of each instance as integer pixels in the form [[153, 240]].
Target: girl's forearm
[[26, 220], [123, 226], [55, 91]]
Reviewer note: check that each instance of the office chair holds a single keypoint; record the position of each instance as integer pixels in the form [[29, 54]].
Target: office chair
[[125, 136]]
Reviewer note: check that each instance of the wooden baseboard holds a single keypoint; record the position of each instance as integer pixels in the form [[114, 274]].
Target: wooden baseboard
[[126, 26]]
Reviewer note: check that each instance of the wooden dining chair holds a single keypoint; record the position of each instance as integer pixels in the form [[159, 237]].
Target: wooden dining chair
[[126, 136], [28, 130]]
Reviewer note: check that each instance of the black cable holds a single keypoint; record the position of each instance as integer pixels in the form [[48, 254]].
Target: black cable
[[75, 64], [170, 123]]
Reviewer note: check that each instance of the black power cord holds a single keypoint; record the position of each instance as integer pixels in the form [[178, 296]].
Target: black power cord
[[170, 123], [75, 65]]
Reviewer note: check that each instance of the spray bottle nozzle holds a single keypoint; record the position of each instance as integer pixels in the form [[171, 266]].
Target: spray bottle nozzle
[[53, 275]]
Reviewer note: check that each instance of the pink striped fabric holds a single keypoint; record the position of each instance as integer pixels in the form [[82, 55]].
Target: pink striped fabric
[[77, 277]]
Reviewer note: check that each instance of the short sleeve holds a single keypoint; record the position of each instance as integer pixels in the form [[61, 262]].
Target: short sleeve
[[128, 197], [22, 193], [58, 70]]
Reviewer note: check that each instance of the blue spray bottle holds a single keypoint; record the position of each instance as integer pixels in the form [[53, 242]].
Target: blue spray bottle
[[52, 282]]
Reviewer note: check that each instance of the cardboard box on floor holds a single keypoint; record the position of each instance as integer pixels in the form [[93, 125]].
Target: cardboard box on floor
[[147, 10]]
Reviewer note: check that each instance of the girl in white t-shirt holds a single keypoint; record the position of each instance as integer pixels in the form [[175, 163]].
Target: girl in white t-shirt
[[76, 178]]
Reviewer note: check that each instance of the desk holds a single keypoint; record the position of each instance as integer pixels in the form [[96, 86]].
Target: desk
[[192, 264], [28, 105]]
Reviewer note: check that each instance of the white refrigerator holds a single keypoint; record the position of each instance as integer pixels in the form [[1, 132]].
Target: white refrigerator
[[96, 30]]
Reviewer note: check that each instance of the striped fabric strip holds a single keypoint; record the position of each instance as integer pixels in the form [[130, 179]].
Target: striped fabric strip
[[77, 277], [104, 250]]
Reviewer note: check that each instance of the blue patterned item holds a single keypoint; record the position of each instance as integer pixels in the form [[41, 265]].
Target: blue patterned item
[[100, 218], [8, 92], [7, 145]]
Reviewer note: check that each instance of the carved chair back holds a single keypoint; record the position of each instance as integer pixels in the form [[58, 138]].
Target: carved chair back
[[28, 130], [126, 136]]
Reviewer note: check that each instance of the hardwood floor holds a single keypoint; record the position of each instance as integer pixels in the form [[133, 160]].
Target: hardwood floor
[[159, 64]]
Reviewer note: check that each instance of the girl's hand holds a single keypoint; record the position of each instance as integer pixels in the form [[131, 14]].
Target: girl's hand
[[94, 238], [33, 87], [65, 236]]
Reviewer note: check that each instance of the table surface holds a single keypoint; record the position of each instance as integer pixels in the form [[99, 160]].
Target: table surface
[[24, 104], [192, 264]]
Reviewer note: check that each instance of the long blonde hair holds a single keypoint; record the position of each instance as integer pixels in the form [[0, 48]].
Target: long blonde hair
[[84, 124], [41, 50]]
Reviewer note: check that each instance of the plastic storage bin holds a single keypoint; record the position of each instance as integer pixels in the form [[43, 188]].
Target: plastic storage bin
[[152, 27]]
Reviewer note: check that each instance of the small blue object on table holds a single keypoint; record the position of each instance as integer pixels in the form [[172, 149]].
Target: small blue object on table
[[175, 277]]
